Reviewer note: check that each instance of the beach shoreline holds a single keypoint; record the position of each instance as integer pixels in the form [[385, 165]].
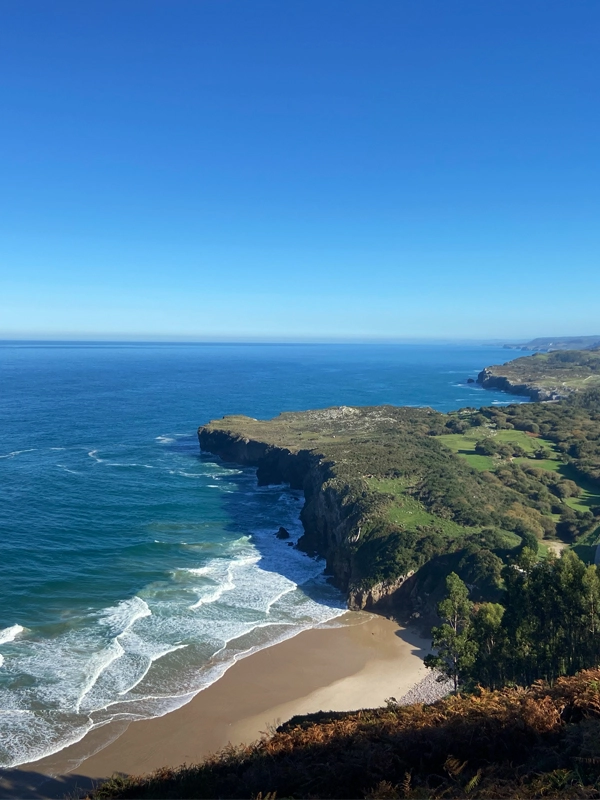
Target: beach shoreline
[[358, 662]]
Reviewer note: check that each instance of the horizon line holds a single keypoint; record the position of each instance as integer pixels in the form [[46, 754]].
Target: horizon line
[[32, 340]]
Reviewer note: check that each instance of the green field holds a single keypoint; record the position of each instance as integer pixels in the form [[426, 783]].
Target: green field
[[590, 493], [407, 512], [464, 445]]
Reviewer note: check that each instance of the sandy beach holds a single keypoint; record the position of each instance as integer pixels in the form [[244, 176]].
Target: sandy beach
[[358, 663]]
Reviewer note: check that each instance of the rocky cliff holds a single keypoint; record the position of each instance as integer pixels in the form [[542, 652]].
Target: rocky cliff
[[332, 520], [490, 379]]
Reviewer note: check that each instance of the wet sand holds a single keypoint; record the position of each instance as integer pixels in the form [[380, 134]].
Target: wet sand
[[357, 664]]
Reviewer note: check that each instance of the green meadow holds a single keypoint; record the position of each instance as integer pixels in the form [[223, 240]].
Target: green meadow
[[406, 511], [463, 444]]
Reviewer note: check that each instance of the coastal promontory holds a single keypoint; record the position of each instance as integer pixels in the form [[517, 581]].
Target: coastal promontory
[[546, 376], [396, 498]]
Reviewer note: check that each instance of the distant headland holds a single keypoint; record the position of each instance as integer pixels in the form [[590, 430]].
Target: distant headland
[[545, 344], [546, 376]]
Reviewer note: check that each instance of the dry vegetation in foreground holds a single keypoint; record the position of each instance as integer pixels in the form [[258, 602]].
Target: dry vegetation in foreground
[[514, 743]]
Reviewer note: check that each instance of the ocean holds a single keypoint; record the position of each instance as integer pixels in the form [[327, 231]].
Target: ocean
[[136, 570]]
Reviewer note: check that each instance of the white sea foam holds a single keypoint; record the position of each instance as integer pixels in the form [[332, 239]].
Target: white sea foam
[[18, 452], [150, 654], [28, 736], [97, 664], [225, 471], [164, 439], [279, 596], [122, 616], [66, 469], [121, 464], [9, 634]]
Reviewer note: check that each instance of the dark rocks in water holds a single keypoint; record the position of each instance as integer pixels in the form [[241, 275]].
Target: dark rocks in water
[[471, 380], [290, 544], [282, 534]]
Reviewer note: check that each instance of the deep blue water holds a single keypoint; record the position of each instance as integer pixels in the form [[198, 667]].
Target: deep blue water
[[135, 570]]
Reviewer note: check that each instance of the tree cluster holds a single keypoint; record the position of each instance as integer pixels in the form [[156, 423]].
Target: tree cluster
[[546, 625]]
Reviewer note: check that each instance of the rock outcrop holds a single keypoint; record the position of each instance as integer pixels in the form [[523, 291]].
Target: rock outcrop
[[382, 595]]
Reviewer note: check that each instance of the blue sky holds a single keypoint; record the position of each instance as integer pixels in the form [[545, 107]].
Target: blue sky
[[288, 169]]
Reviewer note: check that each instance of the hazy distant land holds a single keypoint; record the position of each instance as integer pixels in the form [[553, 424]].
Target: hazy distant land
[[548, 343]]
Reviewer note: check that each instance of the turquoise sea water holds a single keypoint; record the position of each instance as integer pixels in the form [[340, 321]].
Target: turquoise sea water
[[134, 569]]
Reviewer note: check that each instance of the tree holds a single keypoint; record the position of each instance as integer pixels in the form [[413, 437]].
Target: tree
[[490, 638], [548, 627], [486, 447], [456, 649], [528, 538]]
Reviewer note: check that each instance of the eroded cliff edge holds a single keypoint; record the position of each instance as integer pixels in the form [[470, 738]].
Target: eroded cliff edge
[[491, 378], [337, 507], [546, 376]]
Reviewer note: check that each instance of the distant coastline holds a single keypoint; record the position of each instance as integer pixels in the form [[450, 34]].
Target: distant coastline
[[546, 376], [547, 344]]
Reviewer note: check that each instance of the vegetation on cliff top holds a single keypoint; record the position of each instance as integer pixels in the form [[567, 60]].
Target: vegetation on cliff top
[[559, 372], [460, 489], [513, 743]]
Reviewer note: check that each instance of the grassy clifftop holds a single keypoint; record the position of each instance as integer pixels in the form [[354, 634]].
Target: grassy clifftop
[[392, 490], [546, 376], [539, 742]]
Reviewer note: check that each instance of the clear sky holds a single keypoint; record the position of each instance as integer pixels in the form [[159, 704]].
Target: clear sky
[[299, 168]]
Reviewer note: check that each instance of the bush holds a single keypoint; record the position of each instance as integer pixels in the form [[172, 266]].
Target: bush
[[486, 447]]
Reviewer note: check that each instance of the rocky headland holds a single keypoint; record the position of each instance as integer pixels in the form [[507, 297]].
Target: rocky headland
[[396, 498], [545, 376], [306, 451], [493, 378]]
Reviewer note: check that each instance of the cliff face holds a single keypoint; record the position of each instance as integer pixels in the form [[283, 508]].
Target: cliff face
[[274, 464], [490, 380], [331, 523]]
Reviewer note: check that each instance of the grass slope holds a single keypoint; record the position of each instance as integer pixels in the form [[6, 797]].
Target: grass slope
[[463, 444], [405, 511]]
